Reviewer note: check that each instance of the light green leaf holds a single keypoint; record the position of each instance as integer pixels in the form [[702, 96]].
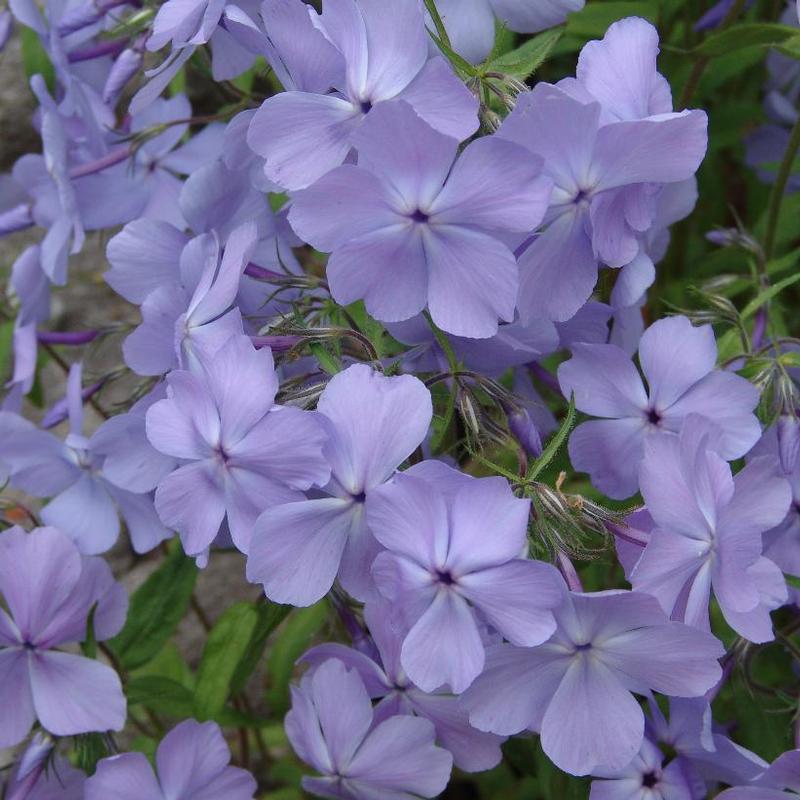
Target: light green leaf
[[294, 639], [225, 647], [768, 294], [35, 60], [527, 58], [554, 445]]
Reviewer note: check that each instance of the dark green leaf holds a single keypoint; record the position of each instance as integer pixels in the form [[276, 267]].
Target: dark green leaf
[[745, 35], [157, 607], [527, 58], [593, 20], [225, 647], [768, 294]]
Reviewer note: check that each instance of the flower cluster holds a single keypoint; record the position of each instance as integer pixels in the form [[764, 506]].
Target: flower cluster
[[367, 290]]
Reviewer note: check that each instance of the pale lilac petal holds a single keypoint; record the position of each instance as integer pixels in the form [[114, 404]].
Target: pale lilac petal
[[73, 694], [124, 777], [516, 599], [673, 659], [473, 281], [610, 450], [15, 697], [359, 554], [296, 549], [343, 708], [285, 446], [303, 729], [755, 625], [86, 513], [472, 750], [442, 100], [398, 757], [406, 153], [444, 646], [494, 184], [604, 380], [558, 271], [150, 349], [728, 400], [377, 423], [590, 698], [189, 757], [620, 71], [515, 688], [141, 520], [302, 136], [665, 567], [243, 383], [373, 677], [345, 204], [486, 504], [559, 129], [38, 572], [469, 25], [143, 256], [674, 356], [183, 424], [191, 501], [365, 268], [409, 517], [663, 149], [534, 17]]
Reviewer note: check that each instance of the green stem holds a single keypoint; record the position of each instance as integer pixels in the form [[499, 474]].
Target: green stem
[[778, 190], [441, 31], [702, 62], [444, 343]]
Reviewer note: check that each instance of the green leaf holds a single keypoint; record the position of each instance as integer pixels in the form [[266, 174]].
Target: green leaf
[[768, 294], [295, 638], [35, 60], [527, 58], [746, 35], [554, 445], [593, 20], [226, 645], [164, 694], [89, 644], [6, 349], [461, 64], [156, 608], [270, 615]]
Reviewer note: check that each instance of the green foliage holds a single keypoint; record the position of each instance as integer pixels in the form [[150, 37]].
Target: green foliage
[[296, 636], [740, 37], [523, 61], [156, 609], [35, 59]]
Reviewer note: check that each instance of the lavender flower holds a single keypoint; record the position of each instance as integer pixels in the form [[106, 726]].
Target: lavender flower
[[50, 590], [378, 664], [374, 423], [410, 199], [85, 503], [382, 55], [783, 773], [240, 452], [707, 533], [447, 576], [607, 645], [357, 756], [678, 361], [192, 761]]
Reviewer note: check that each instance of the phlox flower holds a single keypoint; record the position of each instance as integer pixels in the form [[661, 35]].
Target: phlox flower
[[333, 728], [410, 201], [373, 423], [575, 689], [192, 763], [678, 362], [239, 452], [369, 52], [49, 590], [707, 532], [454, 559]]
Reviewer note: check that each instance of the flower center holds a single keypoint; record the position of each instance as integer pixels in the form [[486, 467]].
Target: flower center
[[653, 417], [649, 780], [365, 106], [418, 216], [445, 577]]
